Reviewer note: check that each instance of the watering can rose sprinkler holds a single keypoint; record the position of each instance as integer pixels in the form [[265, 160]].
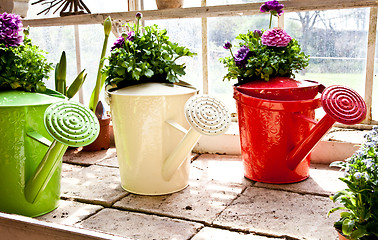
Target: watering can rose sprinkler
[[341, 104], [207, 116], [70, 124]]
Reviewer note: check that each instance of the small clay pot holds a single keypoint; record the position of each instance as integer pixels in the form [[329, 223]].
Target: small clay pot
[[341, 236], [103, 140], [164, 4]]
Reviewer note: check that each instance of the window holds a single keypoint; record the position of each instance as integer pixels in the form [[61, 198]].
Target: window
[[336, 40]]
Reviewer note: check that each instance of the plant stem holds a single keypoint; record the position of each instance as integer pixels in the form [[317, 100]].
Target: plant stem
[[270, 21]]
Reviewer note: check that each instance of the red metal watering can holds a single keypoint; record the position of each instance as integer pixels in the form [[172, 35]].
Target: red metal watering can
[[278, 128]]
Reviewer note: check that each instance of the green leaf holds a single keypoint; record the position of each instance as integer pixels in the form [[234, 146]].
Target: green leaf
[[149, 73], [348, 226], [76, 84]]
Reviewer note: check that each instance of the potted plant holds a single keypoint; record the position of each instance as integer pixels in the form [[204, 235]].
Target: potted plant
[[359, 216], [267, 97], [103, 140], [24, 99], [142, 78]]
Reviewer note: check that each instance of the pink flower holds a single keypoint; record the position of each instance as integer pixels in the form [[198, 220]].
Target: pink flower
[[275, 37]]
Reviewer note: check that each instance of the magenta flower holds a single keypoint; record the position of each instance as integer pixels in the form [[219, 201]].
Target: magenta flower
[[241, 57], [257, 33], [272, 6], [138, 15], [121, 40], [275, 37], [10, 26], [227, 45]]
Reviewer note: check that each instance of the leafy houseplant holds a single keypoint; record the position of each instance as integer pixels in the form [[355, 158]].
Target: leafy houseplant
[[360, 198], [144, 54], [265, 54], [22, 64]]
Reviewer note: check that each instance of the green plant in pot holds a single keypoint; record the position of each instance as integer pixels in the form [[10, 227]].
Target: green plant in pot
[[31, 155], [147, 102], [265, 54], [359, 216], [103, 140], [144, 54]]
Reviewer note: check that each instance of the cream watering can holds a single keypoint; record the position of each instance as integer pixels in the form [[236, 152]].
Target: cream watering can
[[153, 144], [30, 163]]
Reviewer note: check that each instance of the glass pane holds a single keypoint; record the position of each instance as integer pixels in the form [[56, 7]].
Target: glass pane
[[186, 32], [336, 42], [54, 40]]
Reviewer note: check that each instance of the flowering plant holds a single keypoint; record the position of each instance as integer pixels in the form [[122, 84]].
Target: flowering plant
[[22, 64], [360, 198], [265, 54], [144, 54]]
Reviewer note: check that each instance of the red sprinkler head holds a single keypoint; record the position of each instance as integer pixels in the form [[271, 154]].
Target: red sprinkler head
[[343, 104]]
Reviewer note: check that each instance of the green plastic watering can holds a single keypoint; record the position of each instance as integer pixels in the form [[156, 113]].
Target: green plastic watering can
[[35, 131]]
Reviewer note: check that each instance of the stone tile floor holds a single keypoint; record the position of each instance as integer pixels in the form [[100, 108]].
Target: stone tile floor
[[219, 202]]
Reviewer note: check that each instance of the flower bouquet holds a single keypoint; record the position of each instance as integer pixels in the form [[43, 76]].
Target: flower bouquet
[[359, 220], [22, 64], [265, 54]]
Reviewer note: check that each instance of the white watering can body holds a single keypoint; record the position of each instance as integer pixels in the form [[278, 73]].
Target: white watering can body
[[152, 137]]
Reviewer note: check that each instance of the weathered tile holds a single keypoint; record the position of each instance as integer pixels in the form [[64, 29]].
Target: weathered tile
[[94, 184], [281, 213], [213, 185], [208, 233], [323, 180], [70, 212], [109, 162], [140, 226], [78, 156]]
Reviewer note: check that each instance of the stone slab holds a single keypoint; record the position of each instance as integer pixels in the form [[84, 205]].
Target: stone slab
[[94, 184], [215, 181], [70, 212], [281, 213], [140, 226], [323, 181], [208, 233], [80, 157]]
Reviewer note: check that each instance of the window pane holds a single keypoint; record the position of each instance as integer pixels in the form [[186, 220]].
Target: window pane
[[336, 42]]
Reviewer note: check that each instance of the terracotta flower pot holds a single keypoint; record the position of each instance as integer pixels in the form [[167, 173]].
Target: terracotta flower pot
[[103, 140], [341, 236], [164, 4]]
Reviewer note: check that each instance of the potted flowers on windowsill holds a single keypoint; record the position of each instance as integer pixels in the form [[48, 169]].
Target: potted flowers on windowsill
[[30, 162], [145, 96], [359, 216], [266, 95]]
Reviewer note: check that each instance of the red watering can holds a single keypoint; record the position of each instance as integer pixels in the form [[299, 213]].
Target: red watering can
[[278, 128]]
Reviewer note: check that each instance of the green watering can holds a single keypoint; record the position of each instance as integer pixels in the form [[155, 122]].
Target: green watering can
[[35, 131]]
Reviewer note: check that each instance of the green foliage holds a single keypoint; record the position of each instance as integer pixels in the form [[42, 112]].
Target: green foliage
[[148, 56], [266, 62], [23, 67], [360, 199]]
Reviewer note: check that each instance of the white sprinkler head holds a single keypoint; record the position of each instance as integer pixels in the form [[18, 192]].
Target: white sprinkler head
[[207, 115]]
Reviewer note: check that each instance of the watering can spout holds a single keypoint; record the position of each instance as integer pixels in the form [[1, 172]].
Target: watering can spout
[[207, 116], [70, 124], [341, 104]]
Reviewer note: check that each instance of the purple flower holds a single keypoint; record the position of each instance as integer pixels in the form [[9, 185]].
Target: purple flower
[[242, 56], [227, 45], [10, 26], [257, 33], [138, 15], [274, 6], [121, 40], [275, 37]]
